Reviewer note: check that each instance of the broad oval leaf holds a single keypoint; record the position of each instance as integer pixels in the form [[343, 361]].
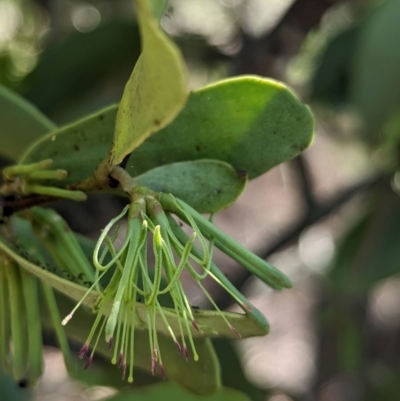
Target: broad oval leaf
[[155, 92], [226, 121], [77, 148], [21, 123], [206, 185], [249, 122]]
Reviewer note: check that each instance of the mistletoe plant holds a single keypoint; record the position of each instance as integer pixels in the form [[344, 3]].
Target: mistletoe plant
[[175, 156]]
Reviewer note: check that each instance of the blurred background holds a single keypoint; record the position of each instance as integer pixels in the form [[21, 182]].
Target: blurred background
[[330, 219]]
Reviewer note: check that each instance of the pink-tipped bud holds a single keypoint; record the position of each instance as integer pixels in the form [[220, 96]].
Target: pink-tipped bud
[[123, 371], [153, 366], [248, 307], [179, 347], [111, 343], [235, 331], [186, 353], [83, 351], [162, 371], [88, 362], [194, 324], [120, 359]]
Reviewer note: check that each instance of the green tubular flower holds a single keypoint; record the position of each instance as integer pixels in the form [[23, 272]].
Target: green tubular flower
[[132, 282]]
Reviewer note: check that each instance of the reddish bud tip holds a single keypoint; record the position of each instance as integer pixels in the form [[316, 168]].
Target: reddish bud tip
[[235, 331], [162, 371], [186, 352], [83, 351], [248, 307], [123, 371], [120, 359], [153, 366], [194, 324], [88, 362], [179, 347], [111, 343]]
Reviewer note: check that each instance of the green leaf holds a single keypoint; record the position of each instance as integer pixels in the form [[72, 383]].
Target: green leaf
[[250, 122], [375, 76], [170, 391], [155, 92], [77, 148], [20, 122], [206, 185]]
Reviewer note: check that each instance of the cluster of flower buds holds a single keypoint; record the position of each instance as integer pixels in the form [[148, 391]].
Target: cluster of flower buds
[[21, 179], [135, 286]]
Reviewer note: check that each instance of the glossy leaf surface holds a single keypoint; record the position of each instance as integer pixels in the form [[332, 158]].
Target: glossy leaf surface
[[156, 90], [250, 122], [240, 133]]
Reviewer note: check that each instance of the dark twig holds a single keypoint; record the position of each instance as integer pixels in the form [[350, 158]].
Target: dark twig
[[10, 204], [305, 181]]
